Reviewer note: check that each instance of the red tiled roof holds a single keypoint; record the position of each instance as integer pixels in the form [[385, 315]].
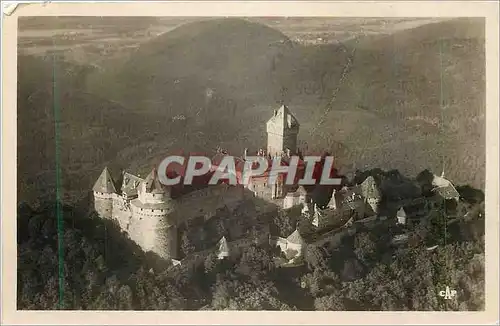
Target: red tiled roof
[[176, 169]]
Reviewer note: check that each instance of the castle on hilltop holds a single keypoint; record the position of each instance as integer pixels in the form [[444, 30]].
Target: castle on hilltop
[[147, 211], [153, 214]]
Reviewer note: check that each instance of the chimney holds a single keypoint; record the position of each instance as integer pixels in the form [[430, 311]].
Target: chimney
[[275, 112], [288, 152], [245, 153]]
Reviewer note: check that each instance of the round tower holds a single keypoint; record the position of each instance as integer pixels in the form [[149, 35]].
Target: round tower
[[153, 226], [104, 190]]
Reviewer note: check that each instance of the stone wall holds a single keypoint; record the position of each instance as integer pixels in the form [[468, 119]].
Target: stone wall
[[121, 212], [146, 197], [261, 188], [205, 202], [290, 141], [148, 228], [292, 199], [274, 143], [278, 142], [156, 229], [103, 204]]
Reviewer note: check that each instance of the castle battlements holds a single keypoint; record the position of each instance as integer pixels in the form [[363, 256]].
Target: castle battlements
[[152, 216], [145, 209]]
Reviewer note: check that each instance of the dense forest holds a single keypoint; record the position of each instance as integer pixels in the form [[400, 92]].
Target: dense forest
[[84, 262]]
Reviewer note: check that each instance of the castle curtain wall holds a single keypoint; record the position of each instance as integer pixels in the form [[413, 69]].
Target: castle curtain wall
[[121, 212], [205, 202], [103, 203]]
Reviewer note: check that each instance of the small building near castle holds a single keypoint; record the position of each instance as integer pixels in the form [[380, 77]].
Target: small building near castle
[[320, 219], [293, 246], [401, 216], [295, 198], [444, 189], [295, 242], [352, 198], [413, 212], [222, 249]]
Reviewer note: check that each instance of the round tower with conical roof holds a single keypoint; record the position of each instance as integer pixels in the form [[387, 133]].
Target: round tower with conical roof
[[104, 190]]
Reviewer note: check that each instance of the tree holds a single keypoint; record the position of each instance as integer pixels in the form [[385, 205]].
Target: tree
[[103, 269], [284, 224], [424, 179], [254, 262], [220, 228], [437, 230], [186, 244], [210, 263], [364, 246], [125, 298], [470, 195], [231, 293], [315, 258], [352, 269], [332, 302]]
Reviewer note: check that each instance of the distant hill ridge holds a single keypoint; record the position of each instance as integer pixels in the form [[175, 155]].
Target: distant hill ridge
[[227, 75], [231, 56]]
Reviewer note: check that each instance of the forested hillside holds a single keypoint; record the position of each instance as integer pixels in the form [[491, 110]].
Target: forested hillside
[[410, 100], [87, 263]]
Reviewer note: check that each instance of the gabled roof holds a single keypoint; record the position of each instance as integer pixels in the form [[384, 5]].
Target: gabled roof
[[448, 192], [295, 238], [153, 184], [350, 194], [315, 220], [130, 184], [334, 196], [284, 118], [105, 183], [222, 245], [401, 212], [438, 181], [444, 188], [370, 188], [318, 216]]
